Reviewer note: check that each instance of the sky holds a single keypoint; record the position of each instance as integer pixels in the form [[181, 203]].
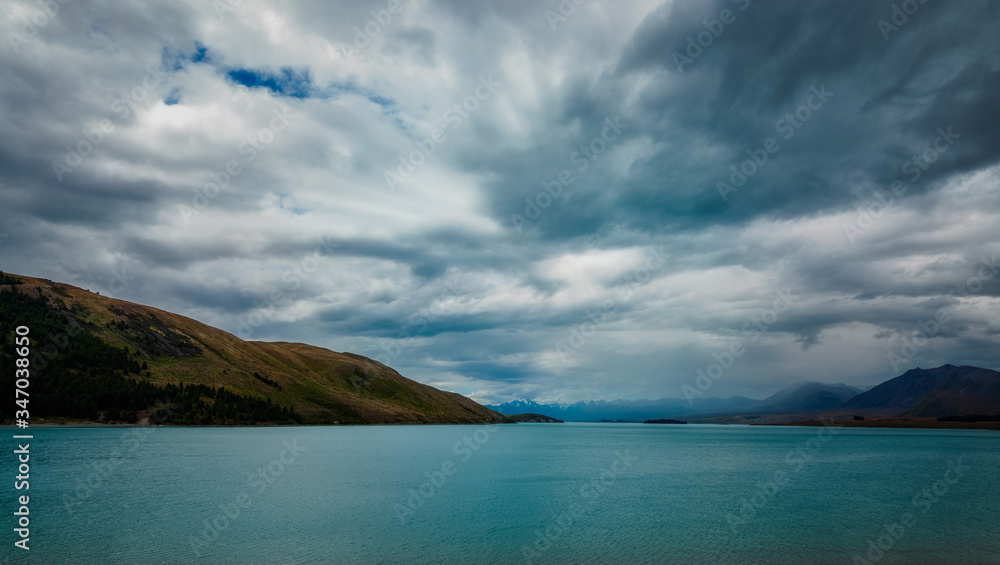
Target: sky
[[556, 201]]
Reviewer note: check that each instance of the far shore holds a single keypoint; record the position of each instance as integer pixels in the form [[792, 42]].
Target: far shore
[[901, 423], [89, 424], [146, 424], [897, 423]]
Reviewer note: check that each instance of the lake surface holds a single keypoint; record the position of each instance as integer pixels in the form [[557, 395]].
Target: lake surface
[[524, 493]]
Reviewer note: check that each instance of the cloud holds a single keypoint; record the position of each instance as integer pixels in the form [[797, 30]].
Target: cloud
[[533, 207]]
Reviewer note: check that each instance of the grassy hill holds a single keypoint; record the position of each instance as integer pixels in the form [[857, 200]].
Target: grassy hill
[[93, 354]]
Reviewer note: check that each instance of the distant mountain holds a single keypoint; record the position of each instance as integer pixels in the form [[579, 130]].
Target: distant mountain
[[628, 410], [520, 407], [99, 358], [799, 397], [912, 387], [807, 396], [945, 391]]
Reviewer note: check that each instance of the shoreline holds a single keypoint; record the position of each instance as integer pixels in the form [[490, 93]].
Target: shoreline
[[898, 423], [872, 423], [89, 424]]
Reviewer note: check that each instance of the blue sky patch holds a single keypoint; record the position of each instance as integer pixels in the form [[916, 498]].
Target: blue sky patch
[[201, 54], [173, 98], [286, 82]]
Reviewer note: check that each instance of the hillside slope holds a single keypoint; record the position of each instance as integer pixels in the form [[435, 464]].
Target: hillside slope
[[155, 349], [943, 403], [806, 396], [910, 388]]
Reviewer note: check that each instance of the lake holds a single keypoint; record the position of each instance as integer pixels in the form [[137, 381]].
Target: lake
[[523, 493]]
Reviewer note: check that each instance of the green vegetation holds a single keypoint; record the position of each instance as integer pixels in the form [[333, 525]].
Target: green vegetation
[[266, 381], [200, 404], [8, 279], [98, 358], [75, 374]]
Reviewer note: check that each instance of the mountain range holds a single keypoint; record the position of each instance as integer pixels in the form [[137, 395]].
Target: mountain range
[[944, 391], [107, 360]]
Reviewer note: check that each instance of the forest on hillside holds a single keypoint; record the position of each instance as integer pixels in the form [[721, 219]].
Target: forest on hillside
[[74, 374]]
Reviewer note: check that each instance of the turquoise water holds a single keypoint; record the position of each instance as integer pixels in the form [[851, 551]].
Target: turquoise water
[[538, 493]]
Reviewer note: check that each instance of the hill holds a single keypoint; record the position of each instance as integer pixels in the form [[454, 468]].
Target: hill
[[99, 358], [912, 387]]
